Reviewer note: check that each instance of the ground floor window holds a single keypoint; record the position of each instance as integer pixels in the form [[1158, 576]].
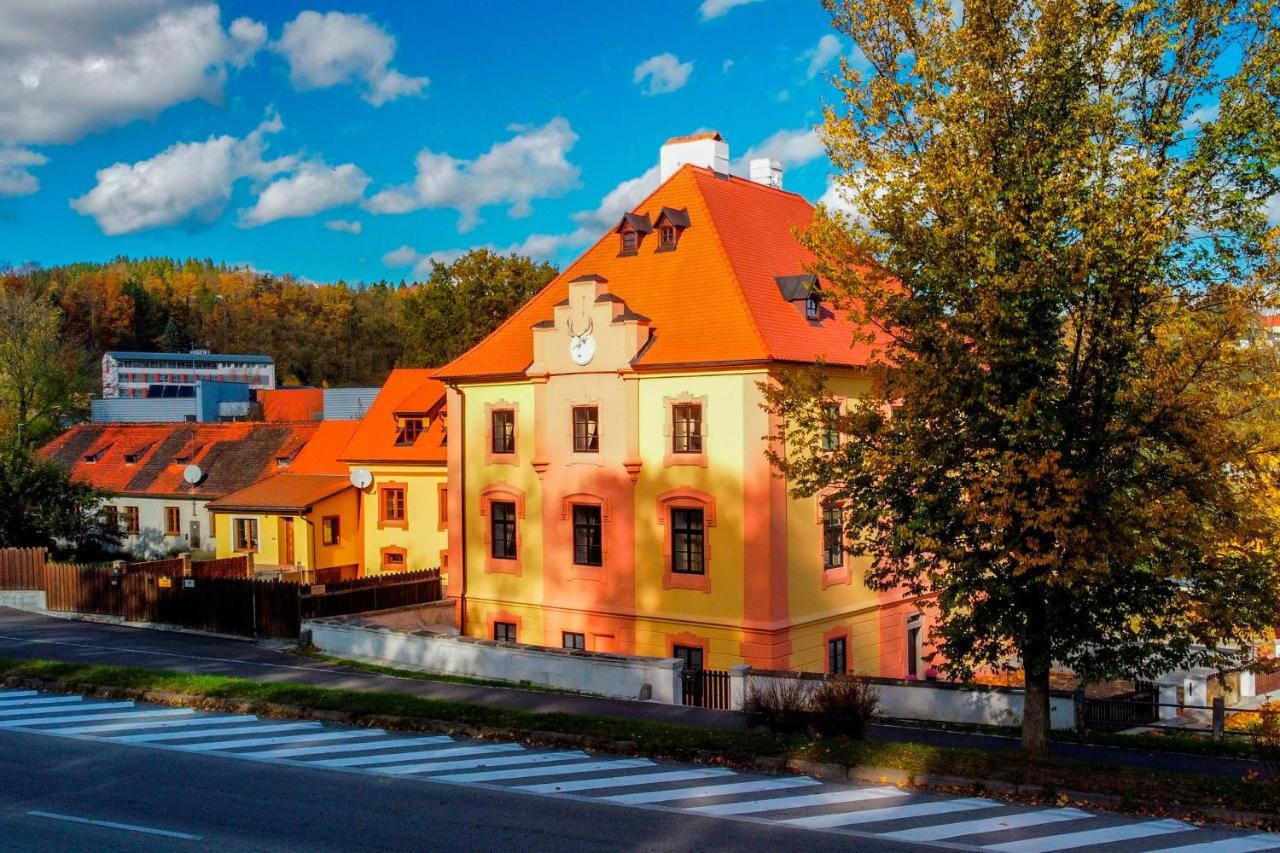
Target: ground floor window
[[687, 552], [132, 522], [573, 640], [329, 530], [837, 656], [586, 536], [914, 646], [691, 655], [504, 632], [245, 534], [172, 521]]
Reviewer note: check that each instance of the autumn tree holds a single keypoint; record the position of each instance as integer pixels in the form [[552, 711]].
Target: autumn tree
[[41, 375], [463, 301], [1058, 243], [40, 507]]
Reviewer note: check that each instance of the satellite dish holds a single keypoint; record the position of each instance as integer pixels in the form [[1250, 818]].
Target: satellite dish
[[361, 478], [192, 474]]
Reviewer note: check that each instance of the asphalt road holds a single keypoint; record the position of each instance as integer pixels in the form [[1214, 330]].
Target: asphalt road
[[213, 803], [25, 635]]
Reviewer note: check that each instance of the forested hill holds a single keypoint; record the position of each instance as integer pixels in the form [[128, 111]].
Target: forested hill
[[319, 334]]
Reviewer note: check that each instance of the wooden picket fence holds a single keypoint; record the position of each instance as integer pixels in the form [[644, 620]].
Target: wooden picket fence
[[219, 596], [20, 568]]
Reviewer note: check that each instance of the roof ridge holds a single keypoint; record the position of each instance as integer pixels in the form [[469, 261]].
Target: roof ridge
[[765, 349], [528, 305]]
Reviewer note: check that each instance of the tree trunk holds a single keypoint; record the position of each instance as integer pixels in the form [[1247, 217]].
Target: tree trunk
[[1035, 708]]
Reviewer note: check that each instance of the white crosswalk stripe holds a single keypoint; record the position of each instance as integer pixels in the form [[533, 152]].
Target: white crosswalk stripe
[[371, 760], [280, 740], [107, 728], [189, 734], [9, 713], [84, 718], [1247, 844], [626, 781], [805, 801], [487, 761], [989, 824], [329, 748], [556, 770], [933, 807], [717, 792], [1091, 837], [711, 791], [40, 700]]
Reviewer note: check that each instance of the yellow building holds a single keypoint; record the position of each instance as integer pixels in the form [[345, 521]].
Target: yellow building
[[398, 455], [291, 521], [606, 447]]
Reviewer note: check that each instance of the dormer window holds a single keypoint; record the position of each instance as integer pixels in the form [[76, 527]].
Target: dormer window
[[630, 242], [631, 230], [671, 224], [813, 307], [97, 453], [410, 429], [667, 237]]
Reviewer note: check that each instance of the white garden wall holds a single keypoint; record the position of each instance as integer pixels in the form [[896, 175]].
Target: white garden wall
[[616, 676]]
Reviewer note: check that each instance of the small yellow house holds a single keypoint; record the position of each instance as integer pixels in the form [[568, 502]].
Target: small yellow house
[[291, 521], [399, 451]]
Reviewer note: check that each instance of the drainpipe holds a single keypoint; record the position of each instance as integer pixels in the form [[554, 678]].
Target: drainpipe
[[461, 488]]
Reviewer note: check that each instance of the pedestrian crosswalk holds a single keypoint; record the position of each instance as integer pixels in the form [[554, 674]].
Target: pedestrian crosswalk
[[716, 793]]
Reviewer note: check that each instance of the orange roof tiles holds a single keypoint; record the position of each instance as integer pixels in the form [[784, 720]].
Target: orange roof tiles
[[284, 493], [323, 452], [231, 455], [406, 392], [694, 137], [291, 404], [714, 300]]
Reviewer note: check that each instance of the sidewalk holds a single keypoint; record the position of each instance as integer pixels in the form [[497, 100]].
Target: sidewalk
[[26, 636]]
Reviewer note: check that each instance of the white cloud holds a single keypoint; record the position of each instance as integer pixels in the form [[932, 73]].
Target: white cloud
[[532, 164], [336, 48], [821, 54], [835, 198], [15, 171], [715, 8], [616, 202], [345, 226], [408, 256], [73, 67], [188, 180], [314, 187], [725, 66], [793, 148], [665, 73]]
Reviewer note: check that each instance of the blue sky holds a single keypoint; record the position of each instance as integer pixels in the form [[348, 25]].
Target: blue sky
[[267, 134]]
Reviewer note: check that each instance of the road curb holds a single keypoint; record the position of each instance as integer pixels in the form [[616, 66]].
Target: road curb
[[827, 771]]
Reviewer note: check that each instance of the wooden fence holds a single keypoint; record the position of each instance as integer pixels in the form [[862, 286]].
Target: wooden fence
[[227, 567], [244, 606], [705, 688], [20, 568], [172, 567]]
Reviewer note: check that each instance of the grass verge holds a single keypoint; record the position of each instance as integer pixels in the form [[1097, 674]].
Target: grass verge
[[419, 675], [1140, 790]]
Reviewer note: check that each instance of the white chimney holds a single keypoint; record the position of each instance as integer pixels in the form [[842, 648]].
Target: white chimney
[[702, 149], [768, 172]]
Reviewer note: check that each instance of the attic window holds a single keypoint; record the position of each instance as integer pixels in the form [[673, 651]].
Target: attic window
[[667, 237], [671, 224], [137, 453], [410, 429], [630, 242], [97, 453], [813, 307]]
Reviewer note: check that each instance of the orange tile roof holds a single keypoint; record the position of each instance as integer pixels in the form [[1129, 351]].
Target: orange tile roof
[[323, 452], [407, 391], [714, 300], [231, 455], [694, 137], [291, 404], [283, 493]]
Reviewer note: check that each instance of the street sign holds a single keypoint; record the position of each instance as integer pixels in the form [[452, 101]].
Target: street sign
[[188, 583], [164, 583]]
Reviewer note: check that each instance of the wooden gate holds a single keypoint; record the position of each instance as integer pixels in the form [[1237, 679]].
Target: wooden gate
[[705, 688], [1138, 707], [20, 568]]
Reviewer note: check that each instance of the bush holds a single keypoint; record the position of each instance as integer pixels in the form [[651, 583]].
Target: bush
[[1268, 739], [779, 704], [843, 706]]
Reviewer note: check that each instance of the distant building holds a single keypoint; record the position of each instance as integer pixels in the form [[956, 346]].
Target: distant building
[[212, 400], [174, 375]]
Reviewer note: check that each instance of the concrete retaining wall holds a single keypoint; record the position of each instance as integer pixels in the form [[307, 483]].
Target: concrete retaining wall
[[23, 599], [932, 701], [617, 676]]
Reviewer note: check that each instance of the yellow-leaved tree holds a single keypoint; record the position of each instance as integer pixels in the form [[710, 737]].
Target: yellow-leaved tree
[[1057, 226]]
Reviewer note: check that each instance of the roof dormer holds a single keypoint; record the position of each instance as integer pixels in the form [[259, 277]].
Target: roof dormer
[[804, 292], [670, 224], [631, 232]]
